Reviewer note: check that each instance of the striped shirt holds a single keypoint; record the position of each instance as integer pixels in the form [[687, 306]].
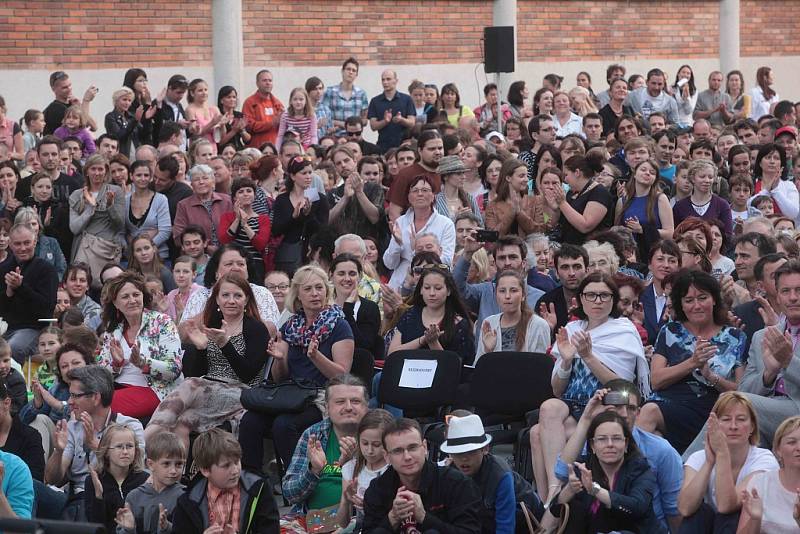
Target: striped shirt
[[242, 239]]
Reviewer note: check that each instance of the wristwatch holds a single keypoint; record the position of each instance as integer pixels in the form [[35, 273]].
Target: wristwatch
[[595, 488]]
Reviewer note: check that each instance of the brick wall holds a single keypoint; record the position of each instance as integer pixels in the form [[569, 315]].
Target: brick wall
[[41, 34]]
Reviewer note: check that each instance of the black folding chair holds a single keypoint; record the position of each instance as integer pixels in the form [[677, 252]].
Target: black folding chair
[[421, 402], [505, 387]]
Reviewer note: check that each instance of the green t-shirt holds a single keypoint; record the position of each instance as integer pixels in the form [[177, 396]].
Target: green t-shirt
[[329, 487]]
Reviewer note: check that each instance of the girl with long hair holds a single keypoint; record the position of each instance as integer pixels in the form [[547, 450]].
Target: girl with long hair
[[145, 260], [645, 209], [763, 97], [513, 211], [438, 319], [207, 116], [516, 327], [300, 117]]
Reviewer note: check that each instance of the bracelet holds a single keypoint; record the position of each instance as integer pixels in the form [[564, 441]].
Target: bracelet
[[563, 374]]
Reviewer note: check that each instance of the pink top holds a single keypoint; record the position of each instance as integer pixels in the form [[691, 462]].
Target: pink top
[[173, 296], [305, 126]]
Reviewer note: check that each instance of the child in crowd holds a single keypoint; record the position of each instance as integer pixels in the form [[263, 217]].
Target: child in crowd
[[183, 271], [145, 260], [764, 204], [683, 186], [62, 302], [148, 508], [118, 471], [15, 383], [741, 191], [155, 288], [75, 125], [33, 120], [40, 367], [224, 496], [300, 117], [368, 464]]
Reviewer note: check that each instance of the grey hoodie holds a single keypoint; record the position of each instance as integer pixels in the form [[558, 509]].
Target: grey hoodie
[[144, 502]]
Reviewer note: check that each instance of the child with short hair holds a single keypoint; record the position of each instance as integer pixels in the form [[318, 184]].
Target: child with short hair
[[224, 495], [41, 365], [12, 378], [764, 204], [741, 191], [33, 122], [74, 124], [155, 287], [148, 508]]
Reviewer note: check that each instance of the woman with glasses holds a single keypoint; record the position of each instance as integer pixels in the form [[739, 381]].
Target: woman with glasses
[[696, 357], [437, 320], [598, 347], [613, 490], [277, 283], [715, 477], [420, 221], [298, 213], [361, 314]]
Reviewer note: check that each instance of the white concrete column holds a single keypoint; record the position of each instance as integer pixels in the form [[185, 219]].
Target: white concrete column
[[728, 35], [504, 13], [227, 44]]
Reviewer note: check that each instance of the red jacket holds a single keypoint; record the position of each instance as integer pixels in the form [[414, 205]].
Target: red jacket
[[191, 211], [263, 115], [259, 240]]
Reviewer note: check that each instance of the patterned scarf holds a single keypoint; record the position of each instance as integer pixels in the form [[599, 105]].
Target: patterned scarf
[[298, 333]]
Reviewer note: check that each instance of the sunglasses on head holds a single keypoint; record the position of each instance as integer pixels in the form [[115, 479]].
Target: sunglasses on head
[[419, 269]]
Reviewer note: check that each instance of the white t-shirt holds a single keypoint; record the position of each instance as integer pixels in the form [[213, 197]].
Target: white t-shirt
[[757, 460], [778, 503], [365, 476]]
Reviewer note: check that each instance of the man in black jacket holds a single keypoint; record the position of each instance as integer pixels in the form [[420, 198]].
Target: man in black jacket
[[752, 312], [416, 493], [571, 262], [28, 288]]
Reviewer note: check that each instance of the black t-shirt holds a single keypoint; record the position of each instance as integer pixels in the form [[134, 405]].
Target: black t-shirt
[[54, 116], [598, 193]]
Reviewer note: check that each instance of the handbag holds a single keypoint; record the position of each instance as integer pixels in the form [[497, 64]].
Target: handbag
[[96, 252], [548, 525], [271, 398]]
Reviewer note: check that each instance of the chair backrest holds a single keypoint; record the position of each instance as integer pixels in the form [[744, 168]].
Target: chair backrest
[[363, 366], [511, 383], [399, 371]]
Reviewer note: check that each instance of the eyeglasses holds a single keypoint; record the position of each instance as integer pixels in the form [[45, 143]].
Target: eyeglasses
[[123, 447], [74, 396], [354, 134], [419, 269], [421, 190], [411, 449], [282, 287], [591, 296], [602, 440]]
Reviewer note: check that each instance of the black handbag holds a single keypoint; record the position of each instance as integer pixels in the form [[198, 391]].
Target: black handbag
[[271, 398]]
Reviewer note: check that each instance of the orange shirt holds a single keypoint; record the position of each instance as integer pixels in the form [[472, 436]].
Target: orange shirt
[[263, 115]]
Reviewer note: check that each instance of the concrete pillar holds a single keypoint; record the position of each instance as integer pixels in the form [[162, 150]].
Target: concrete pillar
[[728, 35], [227, 44]]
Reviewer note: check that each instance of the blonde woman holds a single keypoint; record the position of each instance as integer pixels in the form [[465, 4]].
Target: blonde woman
[[582, 101], [315, 345], [128, 128]]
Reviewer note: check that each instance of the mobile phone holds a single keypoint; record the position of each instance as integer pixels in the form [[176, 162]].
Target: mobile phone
[[577, 471], [487, 236], [615, 398]]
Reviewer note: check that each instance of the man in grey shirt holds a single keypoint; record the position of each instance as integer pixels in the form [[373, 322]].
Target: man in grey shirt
[[652, 97], [91, 389], [713, 104]]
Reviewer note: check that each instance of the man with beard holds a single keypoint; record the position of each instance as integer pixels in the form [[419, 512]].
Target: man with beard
[[431, 150], [314, 476], [571, 262]]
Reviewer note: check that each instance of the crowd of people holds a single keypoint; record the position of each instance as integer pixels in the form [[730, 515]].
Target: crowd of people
[[644, 238]]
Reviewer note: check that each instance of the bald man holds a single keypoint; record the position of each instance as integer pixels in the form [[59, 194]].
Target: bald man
[[391, 113]]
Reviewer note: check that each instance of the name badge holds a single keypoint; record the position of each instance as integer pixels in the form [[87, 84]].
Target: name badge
[[268, 111]]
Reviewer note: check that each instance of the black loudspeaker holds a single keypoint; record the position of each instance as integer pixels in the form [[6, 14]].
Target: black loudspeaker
[[498, 49]]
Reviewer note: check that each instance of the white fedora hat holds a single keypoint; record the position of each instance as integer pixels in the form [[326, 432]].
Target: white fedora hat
[[465, 434]]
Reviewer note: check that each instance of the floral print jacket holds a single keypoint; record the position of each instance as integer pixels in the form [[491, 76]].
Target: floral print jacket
[[159, 347]]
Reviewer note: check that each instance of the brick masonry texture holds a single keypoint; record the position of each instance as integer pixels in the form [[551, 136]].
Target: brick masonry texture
[[41, 34]]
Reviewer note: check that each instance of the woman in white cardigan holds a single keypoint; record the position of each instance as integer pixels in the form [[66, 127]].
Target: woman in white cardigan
[[516, 327]]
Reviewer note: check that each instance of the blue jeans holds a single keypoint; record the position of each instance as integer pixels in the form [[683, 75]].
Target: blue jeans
[[48, 503], [23, 343], [373, 402]]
